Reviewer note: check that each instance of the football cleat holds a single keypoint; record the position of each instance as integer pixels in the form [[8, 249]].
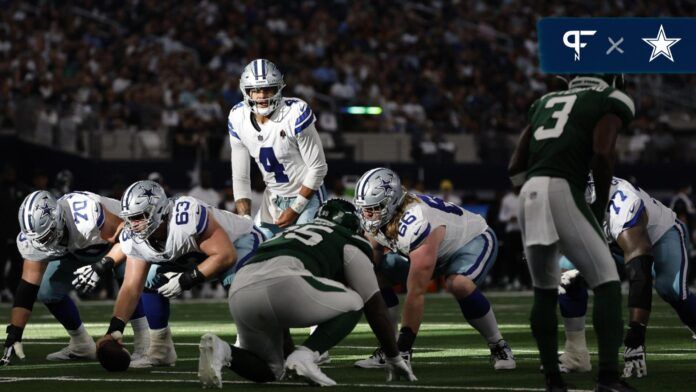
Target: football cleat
[[215, 354], [160, 353], [375, 361], [501, 356], [74, 352], [324, 358], [575, 361], [302, 363]]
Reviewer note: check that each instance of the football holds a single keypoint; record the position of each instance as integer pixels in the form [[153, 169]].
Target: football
[[113, 356]]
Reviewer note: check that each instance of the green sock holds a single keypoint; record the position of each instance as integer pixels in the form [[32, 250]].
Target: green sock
[[545, 327], [331, 332], [608, 325]]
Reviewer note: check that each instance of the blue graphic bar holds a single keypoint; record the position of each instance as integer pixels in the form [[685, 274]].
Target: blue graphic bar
[[617, 45]]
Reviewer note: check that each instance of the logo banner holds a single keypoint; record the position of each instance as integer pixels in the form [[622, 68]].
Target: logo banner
[[617, 45]]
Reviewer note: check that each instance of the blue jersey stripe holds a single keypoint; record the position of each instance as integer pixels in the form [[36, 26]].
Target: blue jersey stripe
[[304, 126], [257, 240], [420, 238], [636, 217], [202, 221], [231, 130], [100, 218], [487, 250]]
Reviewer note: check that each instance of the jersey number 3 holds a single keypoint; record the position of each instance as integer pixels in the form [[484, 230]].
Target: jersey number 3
[[560, 115], [271, 164]]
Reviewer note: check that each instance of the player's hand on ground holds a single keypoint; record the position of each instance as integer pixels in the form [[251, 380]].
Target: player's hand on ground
[[634, 362], [398, 368], [108, 337], [13, 345], [287, 218]]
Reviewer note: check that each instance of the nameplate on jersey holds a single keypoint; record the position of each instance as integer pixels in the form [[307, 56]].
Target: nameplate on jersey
[[617, 45]]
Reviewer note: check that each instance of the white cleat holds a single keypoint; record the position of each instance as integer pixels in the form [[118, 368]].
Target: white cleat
[[501, 356], [302, 362], [576, 361], [375, 361], [215, 354], [160, 353], [324, 358], [75, 352]]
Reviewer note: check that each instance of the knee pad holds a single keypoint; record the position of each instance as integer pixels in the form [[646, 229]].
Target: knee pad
[[639, 271]]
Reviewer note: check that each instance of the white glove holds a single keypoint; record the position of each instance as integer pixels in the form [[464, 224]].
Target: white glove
[[172, 288], [397, 367], [567, 279], [86, 279], [634, 362], [15, 349]]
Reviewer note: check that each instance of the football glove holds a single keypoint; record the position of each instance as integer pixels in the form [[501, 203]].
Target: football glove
[[87, 278], [176, 282], [13, 345], [569, 279], [634, 362], [398, 367]]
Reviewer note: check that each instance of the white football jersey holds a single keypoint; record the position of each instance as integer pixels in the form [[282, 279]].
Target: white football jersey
[[422, 217], [188, 218], [286, 148], [626, 203], [84, 216]]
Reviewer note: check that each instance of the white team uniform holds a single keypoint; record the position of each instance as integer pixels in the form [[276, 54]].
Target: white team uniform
[[188, 218], [420, 218], [626, 203], [287, 150], [84, 218]]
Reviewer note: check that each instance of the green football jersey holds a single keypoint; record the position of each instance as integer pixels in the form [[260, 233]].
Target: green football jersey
[[562, 125], [319, 245]]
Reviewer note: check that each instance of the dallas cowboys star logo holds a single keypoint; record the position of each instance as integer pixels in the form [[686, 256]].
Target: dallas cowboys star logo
[[149, 194], [46, 210], [385, 185], [661, 45]]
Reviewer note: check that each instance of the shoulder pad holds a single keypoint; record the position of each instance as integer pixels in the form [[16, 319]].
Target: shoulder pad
[[190, 215], [414, 228]]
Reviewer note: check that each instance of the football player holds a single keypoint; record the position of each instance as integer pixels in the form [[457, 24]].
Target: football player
[[279, 133], [173, 245], [433, 238], [326, 266], [75, 234], [571, 132], [653, 247]]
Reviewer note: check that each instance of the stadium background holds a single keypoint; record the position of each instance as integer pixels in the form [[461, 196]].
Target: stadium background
[[115, 91]]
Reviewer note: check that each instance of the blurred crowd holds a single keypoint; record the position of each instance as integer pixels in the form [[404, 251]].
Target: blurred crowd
[[434, 67]]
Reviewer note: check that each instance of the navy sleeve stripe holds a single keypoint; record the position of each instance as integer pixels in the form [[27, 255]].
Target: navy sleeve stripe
[[202, 221], [302, 127], [307, 112], [420, 238], [231, 130], [635, 218], [100, 218]]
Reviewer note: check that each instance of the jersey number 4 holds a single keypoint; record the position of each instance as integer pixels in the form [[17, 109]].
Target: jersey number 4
[[271, 164], [560, 115]]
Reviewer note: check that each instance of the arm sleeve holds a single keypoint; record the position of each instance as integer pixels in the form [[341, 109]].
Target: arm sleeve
[[359, 272], [241, 182], [312, 153]]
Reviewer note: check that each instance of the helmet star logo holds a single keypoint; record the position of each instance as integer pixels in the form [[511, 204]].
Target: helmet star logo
[[46, 210], [385, 184], [149, 194]]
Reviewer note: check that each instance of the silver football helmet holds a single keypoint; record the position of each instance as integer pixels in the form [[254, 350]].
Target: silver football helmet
[[378, 194], [258, 74], [143, 206], [41, 220]]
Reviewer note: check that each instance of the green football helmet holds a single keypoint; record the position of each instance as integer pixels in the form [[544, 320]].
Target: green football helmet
[[341, 213]]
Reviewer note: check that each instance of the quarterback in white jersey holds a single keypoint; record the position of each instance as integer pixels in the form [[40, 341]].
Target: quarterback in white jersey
[[74, 234], [435, 238], [280, 135], [652, 245], [173, 245]]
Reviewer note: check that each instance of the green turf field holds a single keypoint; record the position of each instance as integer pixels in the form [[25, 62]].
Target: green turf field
[[449, 354]]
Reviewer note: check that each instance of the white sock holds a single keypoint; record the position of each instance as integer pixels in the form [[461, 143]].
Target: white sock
[[574, 324], [487, 326], [141, 335], [394, 315], [80, 335], [575, 341]]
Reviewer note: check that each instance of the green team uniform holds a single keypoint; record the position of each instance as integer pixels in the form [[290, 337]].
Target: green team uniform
[[563, 124], [318, 245], [317, 273]]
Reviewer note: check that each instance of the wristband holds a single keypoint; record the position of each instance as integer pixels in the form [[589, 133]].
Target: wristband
[[103, 266], [14, 334], [116, 325], [518, 179], [191, 278], [299, 204]]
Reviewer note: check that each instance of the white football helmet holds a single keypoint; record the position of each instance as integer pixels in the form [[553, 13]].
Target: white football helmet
[[258, 74], [378, 191], [41, 220], [143, 206]]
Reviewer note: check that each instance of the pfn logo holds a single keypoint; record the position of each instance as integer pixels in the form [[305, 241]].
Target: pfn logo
[[576, 44]]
